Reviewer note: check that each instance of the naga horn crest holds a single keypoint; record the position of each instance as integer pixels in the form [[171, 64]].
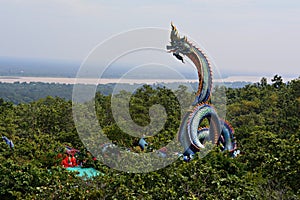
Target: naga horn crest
[[174, 36]]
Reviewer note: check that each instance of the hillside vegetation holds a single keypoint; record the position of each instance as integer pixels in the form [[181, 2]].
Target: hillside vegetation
[[265, 117]]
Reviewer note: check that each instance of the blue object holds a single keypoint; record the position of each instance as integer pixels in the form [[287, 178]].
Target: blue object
[[186, 158], [188, 152], [84, 172], [143, 143], [236, 153], [8, 142], [188, 155]]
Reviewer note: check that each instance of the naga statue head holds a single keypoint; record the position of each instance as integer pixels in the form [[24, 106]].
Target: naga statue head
[[178, 45]]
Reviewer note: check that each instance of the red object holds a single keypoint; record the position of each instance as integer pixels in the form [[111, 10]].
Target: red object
[[74, 161], [163, 149], [66, 162], [59, 155]]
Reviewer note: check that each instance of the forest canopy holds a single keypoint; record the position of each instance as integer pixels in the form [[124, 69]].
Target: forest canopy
[[265, 117]]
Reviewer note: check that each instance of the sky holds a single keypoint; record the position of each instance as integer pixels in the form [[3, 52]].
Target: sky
[[245, 37]]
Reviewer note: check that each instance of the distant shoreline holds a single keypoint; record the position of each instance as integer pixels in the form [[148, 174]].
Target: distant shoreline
[[61, 80]]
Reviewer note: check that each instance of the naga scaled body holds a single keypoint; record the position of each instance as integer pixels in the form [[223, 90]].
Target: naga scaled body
[[191, 135]]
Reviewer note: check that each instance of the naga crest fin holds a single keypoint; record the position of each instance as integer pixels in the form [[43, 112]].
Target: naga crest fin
[[174, 34], [173, 26]]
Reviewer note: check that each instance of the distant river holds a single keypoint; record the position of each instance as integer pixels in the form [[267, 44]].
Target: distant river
[[10, 79]]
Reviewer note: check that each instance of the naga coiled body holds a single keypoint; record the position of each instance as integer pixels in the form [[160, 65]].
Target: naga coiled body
[[191, 135]]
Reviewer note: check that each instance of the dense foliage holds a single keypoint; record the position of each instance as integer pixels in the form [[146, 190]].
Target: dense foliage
[[265, 116], [22, 92]]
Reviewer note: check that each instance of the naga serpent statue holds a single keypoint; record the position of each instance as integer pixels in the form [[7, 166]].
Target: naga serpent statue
[[190, 134]]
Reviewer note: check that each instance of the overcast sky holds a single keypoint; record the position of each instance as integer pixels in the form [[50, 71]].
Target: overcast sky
[[252, 37]]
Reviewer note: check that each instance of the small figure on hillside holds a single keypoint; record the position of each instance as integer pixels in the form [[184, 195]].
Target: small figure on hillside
[[74, 161], [66, 162]]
